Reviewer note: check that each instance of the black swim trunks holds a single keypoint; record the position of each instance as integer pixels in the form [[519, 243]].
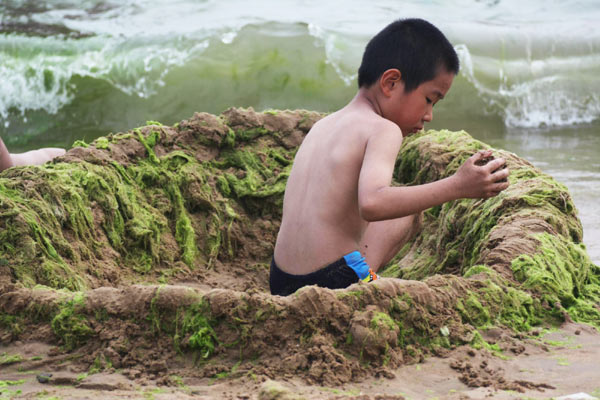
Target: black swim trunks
[[338, 275]]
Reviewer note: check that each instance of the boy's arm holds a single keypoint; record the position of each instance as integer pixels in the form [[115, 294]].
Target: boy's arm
[[5, 158], [379, 201]]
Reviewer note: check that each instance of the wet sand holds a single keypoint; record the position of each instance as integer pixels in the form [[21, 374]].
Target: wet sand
[[553, 364]]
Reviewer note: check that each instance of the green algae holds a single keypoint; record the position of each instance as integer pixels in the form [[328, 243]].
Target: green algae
[[149, 142], [102, 143], [563, 276], [259, 183], [473, 311], [12, 324], [380, 320], [479, 342], [8, 359], [196, 324], [6, 383], [80, 143], [556, 271], [64, 216], [70, 324], [463, 226]]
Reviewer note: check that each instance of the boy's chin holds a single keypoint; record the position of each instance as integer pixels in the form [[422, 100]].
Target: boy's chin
[[412, 131]]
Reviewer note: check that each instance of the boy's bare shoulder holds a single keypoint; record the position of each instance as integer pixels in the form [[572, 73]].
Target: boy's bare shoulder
[[366, 124], [381, 129]]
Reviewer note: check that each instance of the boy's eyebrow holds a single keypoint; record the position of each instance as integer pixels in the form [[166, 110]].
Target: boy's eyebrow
[[438, 94]]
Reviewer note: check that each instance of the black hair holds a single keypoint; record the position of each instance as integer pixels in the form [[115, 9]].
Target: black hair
[[414, 46]]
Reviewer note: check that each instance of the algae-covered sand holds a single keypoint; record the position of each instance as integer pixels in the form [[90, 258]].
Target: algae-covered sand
[[145, 255]]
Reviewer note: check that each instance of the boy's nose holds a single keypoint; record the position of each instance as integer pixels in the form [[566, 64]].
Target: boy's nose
[[428, 117]]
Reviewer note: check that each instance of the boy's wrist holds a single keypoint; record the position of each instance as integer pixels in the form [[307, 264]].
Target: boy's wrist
[[454, 188]]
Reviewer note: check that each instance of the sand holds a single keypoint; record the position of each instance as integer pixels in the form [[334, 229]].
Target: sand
[[544, 365]]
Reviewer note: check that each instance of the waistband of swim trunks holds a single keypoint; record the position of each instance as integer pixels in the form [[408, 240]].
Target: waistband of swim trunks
[[357, 262], [311, 275]]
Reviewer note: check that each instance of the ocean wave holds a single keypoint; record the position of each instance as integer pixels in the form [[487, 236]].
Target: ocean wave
[[550, 92], [338, 49], [37, 73], [274, 64]]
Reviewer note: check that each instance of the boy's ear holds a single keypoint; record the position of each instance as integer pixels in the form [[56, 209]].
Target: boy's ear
[[390, 80]]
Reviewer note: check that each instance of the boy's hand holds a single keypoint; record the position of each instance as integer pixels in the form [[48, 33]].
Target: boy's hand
[[482, 176]]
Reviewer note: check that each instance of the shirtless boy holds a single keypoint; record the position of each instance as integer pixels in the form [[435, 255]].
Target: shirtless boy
[[342, 219], [33, 157]]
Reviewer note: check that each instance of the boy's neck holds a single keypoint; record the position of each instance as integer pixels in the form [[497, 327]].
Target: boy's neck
[[367, 97]]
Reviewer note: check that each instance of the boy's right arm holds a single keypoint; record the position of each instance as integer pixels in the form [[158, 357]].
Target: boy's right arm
[[380, 201]]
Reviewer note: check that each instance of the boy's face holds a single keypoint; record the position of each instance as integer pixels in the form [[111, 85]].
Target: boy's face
[[411, 110]]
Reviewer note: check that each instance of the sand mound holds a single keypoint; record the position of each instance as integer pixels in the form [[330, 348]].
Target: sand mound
[[150, 249]]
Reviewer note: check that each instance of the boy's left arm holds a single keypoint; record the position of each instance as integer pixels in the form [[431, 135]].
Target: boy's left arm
[[378, 200]]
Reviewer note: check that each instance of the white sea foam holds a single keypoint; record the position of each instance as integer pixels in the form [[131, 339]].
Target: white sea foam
[[33, 85], [43, 81], [336, 47]]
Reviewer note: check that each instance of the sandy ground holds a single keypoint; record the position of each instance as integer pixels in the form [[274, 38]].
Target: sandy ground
[[553, 364]]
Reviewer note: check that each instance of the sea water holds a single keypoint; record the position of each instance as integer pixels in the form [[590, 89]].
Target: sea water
[[78, 69]]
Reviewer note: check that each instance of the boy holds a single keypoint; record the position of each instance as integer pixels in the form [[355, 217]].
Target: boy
[[342, 220], [33, 157]]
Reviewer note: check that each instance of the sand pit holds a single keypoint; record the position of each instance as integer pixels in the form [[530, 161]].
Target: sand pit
[[147, 252]]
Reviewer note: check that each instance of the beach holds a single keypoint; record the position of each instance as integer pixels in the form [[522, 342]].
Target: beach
[[557, 364]]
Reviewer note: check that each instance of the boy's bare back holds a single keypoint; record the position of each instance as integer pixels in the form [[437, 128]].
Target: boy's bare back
[[321, 219]]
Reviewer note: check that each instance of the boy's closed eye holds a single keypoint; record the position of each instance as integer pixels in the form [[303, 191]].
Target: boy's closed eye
[[438, 96]]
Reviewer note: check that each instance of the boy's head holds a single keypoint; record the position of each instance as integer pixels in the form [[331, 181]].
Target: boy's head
[[413, 46]]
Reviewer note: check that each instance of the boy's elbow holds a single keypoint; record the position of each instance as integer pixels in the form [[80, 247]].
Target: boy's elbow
[[369, 211]]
